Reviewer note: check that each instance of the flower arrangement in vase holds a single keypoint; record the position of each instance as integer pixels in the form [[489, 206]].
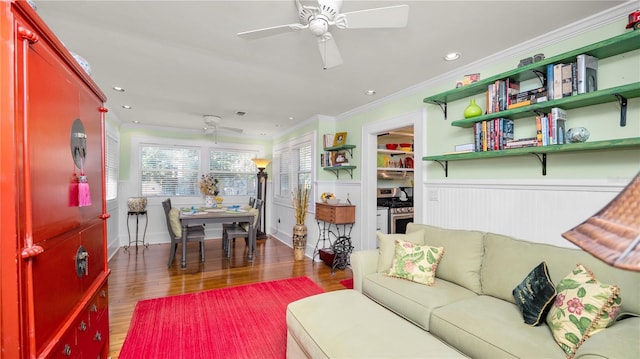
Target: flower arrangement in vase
[[209, 188], [325, 196]]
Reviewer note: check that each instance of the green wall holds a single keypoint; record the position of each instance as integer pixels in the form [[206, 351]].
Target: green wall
[[602, 121]]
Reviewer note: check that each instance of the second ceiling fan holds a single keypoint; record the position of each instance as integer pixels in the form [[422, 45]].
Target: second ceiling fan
[[318, 19]]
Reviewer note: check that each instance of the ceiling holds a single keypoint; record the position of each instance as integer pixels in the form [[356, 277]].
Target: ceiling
[[180, 60]]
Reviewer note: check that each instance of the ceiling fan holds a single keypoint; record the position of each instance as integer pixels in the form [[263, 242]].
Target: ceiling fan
[[212, 126], [319, 18]]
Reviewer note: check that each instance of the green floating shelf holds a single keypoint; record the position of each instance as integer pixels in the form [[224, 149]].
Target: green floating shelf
[[336, 170], [606, 48], [339, 148], [566, 103], [540, 152]]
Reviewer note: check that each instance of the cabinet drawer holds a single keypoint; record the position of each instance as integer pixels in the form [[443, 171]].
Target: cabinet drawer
[[338, 214]]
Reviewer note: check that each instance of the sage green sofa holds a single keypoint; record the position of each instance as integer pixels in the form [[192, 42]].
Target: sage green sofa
[[471, 306]]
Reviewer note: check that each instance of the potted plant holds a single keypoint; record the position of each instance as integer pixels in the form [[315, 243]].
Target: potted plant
[[300, 200]]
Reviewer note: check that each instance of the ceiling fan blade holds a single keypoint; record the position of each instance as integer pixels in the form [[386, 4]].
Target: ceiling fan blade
[[270, 31], [329, 51], [383, 17], [230, 129]]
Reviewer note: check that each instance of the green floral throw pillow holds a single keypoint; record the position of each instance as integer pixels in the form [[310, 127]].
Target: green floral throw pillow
[[417, 263], [583, 307]]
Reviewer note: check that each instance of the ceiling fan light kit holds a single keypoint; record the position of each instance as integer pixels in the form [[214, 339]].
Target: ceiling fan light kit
[[318, 19]]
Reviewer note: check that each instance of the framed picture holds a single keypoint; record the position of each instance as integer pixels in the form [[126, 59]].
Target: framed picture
[[340, 139]]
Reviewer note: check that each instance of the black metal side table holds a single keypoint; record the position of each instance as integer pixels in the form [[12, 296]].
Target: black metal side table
[[144, 234]]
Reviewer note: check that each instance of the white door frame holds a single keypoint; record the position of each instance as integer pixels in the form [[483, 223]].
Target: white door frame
[[369, 169]]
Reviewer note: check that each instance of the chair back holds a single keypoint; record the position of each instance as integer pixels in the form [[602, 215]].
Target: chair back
[[166, 204], [257, 205]]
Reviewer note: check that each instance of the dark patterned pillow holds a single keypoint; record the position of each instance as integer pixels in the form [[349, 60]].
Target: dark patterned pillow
[[535, 295]]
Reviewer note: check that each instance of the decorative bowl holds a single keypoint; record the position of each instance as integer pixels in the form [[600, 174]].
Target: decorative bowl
[[392, 146], [333, 201], [405, 145], [137, 204]]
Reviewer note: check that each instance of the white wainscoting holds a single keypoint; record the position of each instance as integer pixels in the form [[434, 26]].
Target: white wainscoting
[[538, 211]]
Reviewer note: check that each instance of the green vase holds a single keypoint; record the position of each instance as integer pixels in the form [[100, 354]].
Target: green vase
[[472, 110]]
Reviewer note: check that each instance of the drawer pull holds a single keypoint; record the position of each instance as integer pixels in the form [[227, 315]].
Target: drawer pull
[[97, 337], [67, 350], [83, 326]]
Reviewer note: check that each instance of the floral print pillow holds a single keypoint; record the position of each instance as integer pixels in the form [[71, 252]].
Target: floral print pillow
[[417, 263], [583, 307]]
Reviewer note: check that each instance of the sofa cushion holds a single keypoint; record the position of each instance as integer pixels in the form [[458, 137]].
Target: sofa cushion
[[487, 327], [582, 308], [535, 294], [505, 264], [412, 301], [417, 263], [387, 247], [352, 326], [464, 249]]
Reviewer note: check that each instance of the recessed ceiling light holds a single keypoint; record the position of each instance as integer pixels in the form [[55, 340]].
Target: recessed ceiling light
[[452, 56], [118, 88], [136, 121], [291, 118], [370, 92], [126, 107]]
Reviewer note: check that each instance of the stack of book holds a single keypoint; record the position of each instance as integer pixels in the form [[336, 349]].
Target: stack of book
[[551, 128], [492, 135], [570, 79], [327, 139], [527, 98], [499, 94]]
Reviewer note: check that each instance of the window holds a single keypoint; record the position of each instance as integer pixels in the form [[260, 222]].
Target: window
[[111, 164], [293, 164], [235, 172], [169, 171]]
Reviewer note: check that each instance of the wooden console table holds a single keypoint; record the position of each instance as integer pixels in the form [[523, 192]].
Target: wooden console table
[[341, 218]]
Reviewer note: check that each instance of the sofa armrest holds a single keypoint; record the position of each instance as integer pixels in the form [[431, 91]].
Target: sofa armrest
[[363, 263]]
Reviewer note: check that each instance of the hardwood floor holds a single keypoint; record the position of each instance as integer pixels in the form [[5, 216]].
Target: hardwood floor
[[143, 274]]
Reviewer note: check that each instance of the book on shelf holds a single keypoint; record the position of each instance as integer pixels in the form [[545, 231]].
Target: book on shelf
[[587, 72], [549, 81], [522, 142], [527, 98], [490, 135], [499, 94], [328, 140], [557, 81], [466, 147], [539, 130], [559, 118], [567, 80]]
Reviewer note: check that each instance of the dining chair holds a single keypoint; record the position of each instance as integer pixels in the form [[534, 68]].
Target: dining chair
[[241, 230], [174, 227], [252, 201]]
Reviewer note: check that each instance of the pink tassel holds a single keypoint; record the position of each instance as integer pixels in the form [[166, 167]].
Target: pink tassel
[[73, 191], [84, 194]]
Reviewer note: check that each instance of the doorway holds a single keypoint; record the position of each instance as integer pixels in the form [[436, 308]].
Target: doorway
[[370, 132]]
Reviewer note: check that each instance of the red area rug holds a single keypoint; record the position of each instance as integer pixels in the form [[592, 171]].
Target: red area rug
[[347, 283], [246, 321]]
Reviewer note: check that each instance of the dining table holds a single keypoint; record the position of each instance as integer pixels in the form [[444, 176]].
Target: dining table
[[216, 215]]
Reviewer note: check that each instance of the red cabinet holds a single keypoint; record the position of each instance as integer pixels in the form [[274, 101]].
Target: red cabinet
[[53, 265]]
